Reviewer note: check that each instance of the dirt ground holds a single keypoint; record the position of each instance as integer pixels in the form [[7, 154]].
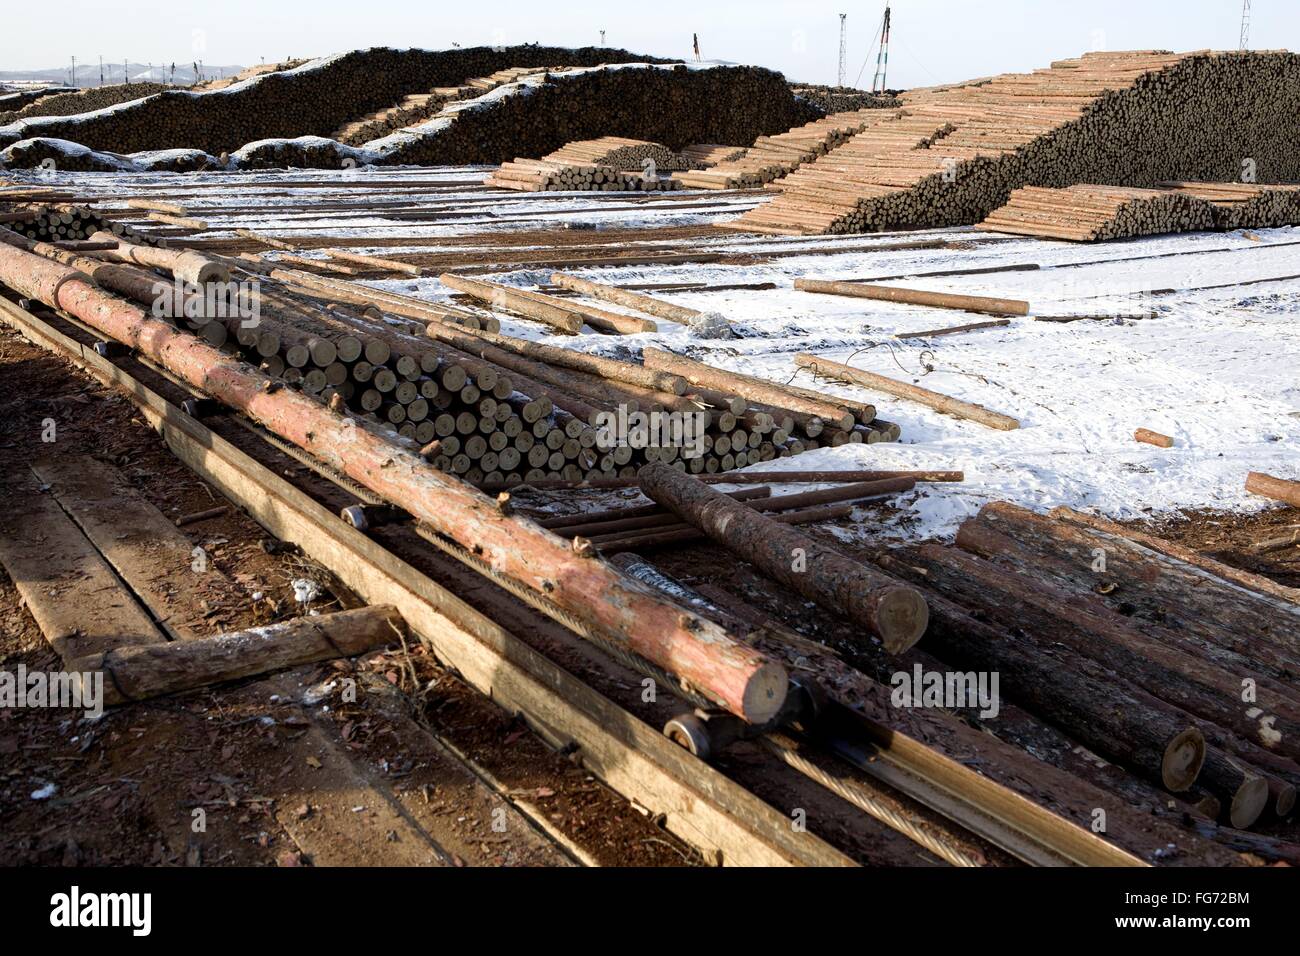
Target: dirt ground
[[420, 768]]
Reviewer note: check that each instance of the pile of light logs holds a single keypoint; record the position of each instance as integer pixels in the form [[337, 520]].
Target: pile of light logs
[[952, 155], [1144, 662], [550, 175], [617, 151], [704, 155], [1089, 213], [772, 157]]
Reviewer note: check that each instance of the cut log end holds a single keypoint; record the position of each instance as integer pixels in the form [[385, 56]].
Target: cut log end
[[1249, 802], [1184, 757], [764, 693], [902, 616]]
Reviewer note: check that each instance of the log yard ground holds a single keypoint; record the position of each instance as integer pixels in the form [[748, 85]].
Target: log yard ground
[[448, 459]]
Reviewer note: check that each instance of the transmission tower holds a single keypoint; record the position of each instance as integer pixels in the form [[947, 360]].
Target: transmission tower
[[1245, 26], [878, 82], [843, 48]]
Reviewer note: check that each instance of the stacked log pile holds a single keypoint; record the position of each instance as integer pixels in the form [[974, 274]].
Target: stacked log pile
[[610, 163], [82, 101], [772, 157], [1176, 642], [537, 115], [61, 222], [314, 99], [1130, 119], [1090, 213]]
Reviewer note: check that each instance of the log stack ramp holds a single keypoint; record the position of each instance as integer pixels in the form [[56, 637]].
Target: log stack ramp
[[772, 157], [417, 107], [1132, 119]]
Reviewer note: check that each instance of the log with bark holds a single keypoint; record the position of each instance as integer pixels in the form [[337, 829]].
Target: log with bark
[[885, 607]]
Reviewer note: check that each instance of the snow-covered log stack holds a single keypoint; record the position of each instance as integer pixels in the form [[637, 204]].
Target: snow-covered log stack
[[672, 105], [314, 99], [1090, 213], [1130, 119], [772, 157]]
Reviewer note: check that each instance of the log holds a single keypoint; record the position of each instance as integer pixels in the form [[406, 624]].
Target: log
[[953, 330], [941, 403], [685, 534], [887, 608], [188, 266], [1023, 599], [1145, 585], [755, 389], [1253, 582], [153, 670], [510, 300], [1112, 716], [632, 300], [1279, 489], [385, 265], [938, 300], [738, 679], [629, 529], [1149, 437]]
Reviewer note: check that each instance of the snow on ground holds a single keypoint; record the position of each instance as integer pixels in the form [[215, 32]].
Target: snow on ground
[[1216, 368]]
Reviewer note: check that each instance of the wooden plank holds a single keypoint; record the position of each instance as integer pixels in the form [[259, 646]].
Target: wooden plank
[[725, 822], [143, 546], [78, 602]]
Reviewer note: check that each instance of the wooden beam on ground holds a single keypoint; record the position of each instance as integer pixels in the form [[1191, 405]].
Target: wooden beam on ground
[[939, 300], [923, 396], [78, 602], [154, 670], [159, 563]]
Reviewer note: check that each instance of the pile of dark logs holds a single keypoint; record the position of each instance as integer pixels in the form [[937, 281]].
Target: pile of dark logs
[[953, 155], [314, 100], [552, 175], [71, 102], [720, 104], [772, 157], [1089, 213], [1175, 668], [1163, 663]]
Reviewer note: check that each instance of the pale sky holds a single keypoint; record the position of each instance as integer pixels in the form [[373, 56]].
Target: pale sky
[[933, 40]]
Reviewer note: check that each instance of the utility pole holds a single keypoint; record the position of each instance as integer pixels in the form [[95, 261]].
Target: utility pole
[[878, 82], [602, 37], [72, 76], [843, 49], [1245, 26]]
